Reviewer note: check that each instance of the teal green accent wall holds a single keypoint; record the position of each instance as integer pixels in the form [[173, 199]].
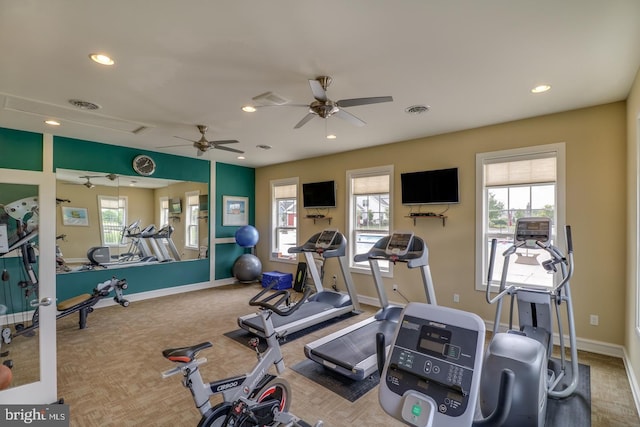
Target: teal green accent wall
[[231, 180], [140, 279], [77, 154], [20, 150]]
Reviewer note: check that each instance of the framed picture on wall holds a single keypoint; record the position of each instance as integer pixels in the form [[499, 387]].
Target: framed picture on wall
[[235, 210], [75, 216]]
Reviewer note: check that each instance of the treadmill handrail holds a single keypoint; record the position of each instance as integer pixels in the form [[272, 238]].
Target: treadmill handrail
[[337, 249], [275, 307]]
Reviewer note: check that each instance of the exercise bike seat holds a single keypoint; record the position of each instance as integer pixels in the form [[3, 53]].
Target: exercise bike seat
[[185, 354]]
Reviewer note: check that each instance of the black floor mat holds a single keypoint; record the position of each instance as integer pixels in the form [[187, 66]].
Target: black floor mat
[[344, 387], [242, 336], [575, 410]]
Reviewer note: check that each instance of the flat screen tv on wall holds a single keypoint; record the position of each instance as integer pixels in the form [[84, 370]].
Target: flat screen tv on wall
[[317, 195], [175, 206], [430, 187]]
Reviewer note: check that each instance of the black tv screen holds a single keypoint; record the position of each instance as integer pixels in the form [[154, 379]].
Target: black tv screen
[[430, 187], [319, 194]]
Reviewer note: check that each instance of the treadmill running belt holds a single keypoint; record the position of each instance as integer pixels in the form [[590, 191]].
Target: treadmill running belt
[[308, 309], [350, 349]]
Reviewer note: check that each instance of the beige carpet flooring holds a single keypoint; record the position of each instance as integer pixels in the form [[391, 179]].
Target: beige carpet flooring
[[109, 373]]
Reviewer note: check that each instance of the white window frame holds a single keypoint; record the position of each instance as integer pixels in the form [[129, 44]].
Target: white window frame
[[188, 217], [125, 202], [637, 189], [163, 205], [275, 227], [538, 151], [386, 268]]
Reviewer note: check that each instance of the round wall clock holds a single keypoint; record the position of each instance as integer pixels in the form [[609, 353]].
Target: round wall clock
[[144, 165]]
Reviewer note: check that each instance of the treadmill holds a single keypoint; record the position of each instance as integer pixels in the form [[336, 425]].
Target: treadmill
[[324, 304], [352, 351]]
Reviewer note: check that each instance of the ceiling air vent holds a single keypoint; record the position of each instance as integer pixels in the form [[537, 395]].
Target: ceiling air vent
[[84, 105], [270, 98], [416, 109]]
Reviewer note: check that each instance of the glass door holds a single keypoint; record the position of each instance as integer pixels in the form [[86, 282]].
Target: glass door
[[27, 286]]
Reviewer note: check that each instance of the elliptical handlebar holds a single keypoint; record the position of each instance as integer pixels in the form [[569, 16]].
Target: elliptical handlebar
[[275, 306]]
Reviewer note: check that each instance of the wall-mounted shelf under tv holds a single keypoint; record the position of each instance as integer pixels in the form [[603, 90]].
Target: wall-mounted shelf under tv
[[416, 215], [319, 217]]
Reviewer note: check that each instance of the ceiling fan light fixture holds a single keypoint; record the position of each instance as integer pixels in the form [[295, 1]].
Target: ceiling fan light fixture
[[264, 146]]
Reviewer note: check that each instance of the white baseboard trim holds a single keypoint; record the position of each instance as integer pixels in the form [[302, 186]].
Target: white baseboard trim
[[140, 296], [633, 381]]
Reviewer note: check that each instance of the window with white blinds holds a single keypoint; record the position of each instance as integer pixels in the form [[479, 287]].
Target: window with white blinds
[[369, 196], [284, 218], [191, 219], [513, 184]]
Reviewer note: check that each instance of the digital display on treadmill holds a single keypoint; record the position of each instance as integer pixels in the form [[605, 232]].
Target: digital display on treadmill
[[326, 237], [400, 241]]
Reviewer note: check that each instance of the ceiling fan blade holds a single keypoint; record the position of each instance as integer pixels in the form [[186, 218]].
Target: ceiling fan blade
[[304, 120], [222, 147], [186, 139], [224, 141], [344, 115], [173, 146], [318, 91], [363, 101]]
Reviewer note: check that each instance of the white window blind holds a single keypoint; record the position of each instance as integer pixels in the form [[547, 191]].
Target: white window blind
[[520, 171], [285, 191], [370, 185]]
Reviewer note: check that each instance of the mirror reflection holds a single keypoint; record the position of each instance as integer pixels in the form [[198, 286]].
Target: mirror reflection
[[111, 221], [19, 342]]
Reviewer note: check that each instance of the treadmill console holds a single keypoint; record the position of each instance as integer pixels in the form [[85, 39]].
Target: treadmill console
[[399, 243], [432, 373], [530, 230], [326, 239]]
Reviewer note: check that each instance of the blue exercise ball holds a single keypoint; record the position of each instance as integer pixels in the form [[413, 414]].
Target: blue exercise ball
[[247, 236], [247, 268]]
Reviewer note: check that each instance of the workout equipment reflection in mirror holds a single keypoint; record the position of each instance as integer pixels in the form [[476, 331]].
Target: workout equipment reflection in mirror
[[20, 229]]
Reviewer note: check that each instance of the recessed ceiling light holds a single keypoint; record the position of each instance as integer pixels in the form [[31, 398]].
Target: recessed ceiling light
[[101, 59], [249, 109], [540, 89], [240, 157], [331, 136], [52, 122]]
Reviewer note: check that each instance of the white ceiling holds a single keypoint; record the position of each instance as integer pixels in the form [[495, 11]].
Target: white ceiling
[[182, 63]]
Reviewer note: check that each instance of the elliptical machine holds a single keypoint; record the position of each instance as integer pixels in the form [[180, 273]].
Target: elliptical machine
[[527, 350]]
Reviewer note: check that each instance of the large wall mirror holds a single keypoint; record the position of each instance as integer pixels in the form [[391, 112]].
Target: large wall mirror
[[111, 221], [19, 256]]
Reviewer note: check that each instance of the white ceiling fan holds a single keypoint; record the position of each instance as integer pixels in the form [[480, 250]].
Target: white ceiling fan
[[203, 145]]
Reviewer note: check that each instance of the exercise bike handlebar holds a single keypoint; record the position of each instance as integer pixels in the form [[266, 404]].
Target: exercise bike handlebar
[[275, 307]]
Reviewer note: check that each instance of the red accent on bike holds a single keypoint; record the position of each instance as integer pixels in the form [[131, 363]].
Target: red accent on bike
[[183, 359], [268, 392]]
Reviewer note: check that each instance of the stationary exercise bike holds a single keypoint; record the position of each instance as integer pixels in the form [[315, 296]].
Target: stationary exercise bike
[[253, 399], [527, 350]]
